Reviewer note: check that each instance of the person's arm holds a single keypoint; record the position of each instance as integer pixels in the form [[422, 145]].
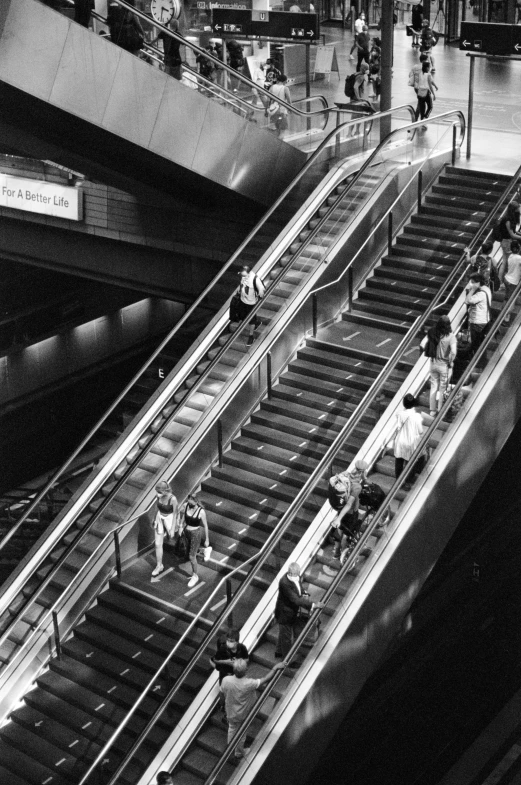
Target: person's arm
[[202, 517], [432, 84], [279, 666], [287, 94]]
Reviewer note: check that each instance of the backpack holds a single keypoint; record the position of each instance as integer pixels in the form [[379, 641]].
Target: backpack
[[495, 280], [338, 491], [131, 38], [497, 231], [349, 88], [258, 286], [371, 496], [431, 348]]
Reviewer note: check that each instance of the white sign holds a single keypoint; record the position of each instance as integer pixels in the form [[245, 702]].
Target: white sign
[[38, 196]]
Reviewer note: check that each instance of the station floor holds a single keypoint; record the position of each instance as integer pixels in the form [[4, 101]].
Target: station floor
[[496, 128]]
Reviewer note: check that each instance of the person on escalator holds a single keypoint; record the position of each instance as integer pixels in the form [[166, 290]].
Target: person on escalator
[[346, 524], [164, 521], [290, 600], [82, 11], [239, 697], [165, 778], [250, 291], [441, 346], [229, 649], [172, 62], [478, 301], [125, 28], [195, 525], [278, 112], [407, 435]]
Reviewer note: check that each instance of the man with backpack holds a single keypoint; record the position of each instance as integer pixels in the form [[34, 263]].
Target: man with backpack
[[483, 264], [251, 289]]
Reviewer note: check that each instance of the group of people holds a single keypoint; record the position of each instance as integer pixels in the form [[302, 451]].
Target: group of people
[[172, 521], [368, 62]]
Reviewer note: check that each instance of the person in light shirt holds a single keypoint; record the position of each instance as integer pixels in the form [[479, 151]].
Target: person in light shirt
[[513, 274]]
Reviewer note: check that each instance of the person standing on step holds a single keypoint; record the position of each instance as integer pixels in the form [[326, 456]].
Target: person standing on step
[[508, 229], [291, 598], [478, 301], [164, 521], [239, 696], [251, 290], [195, 526], [513, 272], [345, 524], [441, 346], [407, 435], [482, 261]]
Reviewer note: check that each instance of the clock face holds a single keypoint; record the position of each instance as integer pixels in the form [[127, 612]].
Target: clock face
[[164, 10]]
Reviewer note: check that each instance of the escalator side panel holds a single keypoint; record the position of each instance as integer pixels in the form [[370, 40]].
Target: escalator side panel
[[100, 86]]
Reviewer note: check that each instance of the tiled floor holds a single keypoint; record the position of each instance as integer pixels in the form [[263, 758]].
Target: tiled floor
[[496, 134]]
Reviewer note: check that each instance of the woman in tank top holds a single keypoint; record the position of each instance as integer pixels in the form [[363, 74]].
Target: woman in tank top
[[164, 521], [195, 525]]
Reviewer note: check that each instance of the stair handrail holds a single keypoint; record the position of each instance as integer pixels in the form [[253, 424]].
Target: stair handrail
[[454, 281], [195, 305], [375, 523], [222, 64]]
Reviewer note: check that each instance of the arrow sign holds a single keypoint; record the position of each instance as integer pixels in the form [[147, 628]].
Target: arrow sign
[[465, 43], [37, 724], [310, 32], [517, 46], [217, 27]]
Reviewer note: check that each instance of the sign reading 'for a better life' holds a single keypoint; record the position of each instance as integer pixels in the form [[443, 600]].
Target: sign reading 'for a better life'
[[37, 196]]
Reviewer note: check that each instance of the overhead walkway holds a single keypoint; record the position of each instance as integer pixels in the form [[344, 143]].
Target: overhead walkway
[[399, 158], [88, 104]]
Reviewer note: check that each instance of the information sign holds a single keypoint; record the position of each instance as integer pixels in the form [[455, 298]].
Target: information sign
[[272, 24], [487, 37], [39, 196]]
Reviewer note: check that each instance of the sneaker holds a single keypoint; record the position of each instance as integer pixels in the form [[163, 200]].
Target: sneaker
[[193, 580], [351, 57], [158, 569]]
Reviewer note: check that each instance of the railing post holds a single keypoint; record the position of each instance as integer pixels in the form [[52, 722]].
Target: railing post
[[390, 233], [350, 289], [314, 310], [420, 189], [454, 145], [117, 554], [268, 374], [220, 442], [57, 635], [228, 601]]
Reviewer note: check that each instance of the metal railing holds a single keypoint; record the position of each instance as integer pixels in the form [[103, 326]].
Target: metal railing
[[286, 520], [310, 163]]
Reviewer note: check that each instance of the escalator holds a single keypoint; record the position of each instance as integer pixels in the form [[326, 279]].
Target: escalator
[[85, 103], [123, 617], [166, 436]]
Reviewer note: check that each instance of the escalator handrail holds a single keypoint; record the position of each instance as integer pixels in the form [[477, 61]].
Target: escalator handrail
[[189, 312], [282, 525], [382, 512]]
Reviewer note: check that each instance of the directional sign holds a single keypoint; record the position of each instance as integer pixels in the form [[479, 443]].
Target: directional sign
[[272, 24], [516, 40], [231, 21], [488, 37]]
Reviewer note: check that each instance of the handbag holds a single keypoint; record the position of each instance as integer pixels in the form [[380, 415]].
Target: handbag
[[182, 545]]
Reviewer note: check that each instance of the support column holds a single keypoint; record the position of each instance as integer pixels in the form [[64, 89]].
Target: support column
[[387, 64]]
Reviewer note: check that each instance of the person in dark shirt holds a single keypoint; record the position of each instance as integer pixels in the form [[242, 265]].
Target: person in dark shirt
[[228, 650], [171, 51]]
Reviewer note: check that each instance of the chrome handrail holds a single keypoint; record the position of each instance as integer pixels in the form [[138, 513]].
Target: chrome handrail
[[287, 518], [190, 311]]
